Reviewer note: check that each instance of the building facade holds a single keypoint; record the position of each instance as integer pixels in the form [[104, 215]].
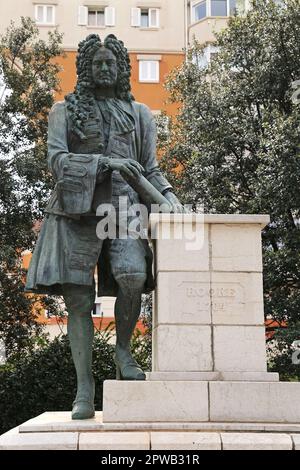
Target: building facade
[[156, 33], [153, 32]]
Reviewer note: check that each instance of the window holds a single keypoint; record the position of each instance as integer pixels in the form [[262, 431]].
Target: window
[[145, 17], [97, 310], [206, 8], [218, 8], [96, 17], [45, 14], [149, 71], [203, 60], [238, 7], [198, 11]]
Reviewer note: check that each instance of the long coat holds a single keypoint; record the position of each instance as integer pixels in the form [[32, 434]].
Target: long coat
[[68, 249]]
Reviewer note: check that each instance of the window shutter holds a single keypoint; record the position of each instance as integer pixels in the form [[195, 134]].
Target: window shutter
[[143, 66], [82, 15], [50, 14], [153, 17], [153, 71], [136, 17], [39, 13], [110, 16]]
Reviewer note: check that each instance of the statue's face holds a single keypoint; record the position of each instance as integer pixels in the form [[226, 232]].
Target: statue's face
[[104, 68]]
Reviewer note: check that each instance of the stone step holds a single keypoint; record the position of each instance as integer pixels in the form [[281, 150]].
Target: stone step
[[14, 440], [214, 376], [60, 421]]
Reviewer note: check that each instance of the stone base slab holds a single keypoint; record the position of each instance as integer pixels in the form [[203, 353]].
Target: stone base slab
[[56, 431], [195, 401], [61, 421], [250, 441], [215, 376], [14, 440]]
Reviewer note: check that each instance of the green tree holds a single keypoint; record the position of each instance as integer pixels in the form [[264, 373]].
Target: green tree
[[29, 75], [234, 147]]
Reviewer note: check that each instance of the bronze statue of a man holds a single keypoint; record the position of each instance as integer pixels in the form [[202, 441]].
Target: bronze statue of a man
[[96, 136]]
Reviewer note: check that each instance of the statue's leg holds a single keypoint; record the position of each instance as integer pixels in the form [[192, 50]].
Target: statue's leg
[[127, 311], [79, 301], [128, 262]]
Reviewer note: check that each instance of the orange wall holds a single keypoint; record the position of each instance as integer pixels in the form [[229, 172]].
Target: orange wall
[[152, 94], [26, 260]]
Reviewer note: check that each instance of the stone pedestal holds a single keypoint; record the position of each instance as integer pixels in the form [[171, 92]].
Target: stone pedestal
[[209, 353], [208, 307]]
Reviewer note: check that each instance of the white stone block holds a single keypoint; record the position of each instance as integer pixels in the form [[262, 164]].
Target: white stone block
[[114, 441], [145, 401], [269, 402], [237, 298], [256, 441], [14, 440], [249, 376], [185, 441], [182, 297], [239, 348], [215, 375], [182, 348], [236, 247], [296, 441], [61, 421], [189, 253]]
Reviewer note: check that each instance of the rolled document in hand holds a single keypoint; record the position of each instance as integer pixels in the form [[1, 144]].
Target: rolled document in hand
[[148, 193]]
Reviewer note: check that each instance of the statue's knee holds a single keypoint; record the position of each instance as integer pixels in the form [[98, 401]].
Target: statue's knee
[[131, 282], [79, 300]]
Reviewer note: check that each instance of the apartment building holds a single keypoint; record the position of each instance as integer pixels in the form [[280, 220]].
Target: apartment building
[[156, 33], [153, 32]]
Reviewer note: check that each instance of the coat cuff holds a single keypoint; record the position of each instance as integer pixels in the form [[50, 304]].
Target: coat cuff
[[103, 169], [159, 182]]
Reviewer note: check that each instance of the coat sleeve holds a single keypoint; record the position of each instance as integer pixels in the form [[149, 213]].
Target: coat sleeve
[[148, 151], [75, 174]]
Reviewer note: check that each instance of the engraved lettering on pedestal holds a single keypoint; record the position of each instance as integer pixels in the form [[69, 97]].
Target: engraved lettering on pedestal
[[194, 301], [228, 299]]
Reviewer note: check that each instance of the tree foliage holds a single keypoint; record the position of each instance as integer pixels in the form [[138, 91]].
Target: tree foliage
[[29, 74], [234, 147]]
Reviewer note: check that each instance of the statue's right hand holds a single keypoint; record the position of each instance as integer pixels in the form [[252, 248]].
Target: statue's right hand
[[127, 166]]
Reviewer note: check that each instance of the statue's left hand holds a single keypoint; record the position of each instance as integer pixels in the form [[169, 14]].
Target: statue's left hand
[[174, 202]]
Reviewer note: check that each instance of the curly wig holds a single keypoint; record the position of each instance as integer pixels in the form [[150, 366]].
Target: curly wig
[[80, 103]]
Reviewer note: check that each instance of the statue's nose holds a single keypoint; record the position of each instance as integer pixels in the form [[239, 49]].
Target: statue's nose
[[104, 67]]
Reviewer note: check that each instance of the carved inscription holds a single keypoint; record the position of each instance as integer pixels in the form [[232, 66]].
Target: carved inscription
[[227, 298], [193, 302]]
